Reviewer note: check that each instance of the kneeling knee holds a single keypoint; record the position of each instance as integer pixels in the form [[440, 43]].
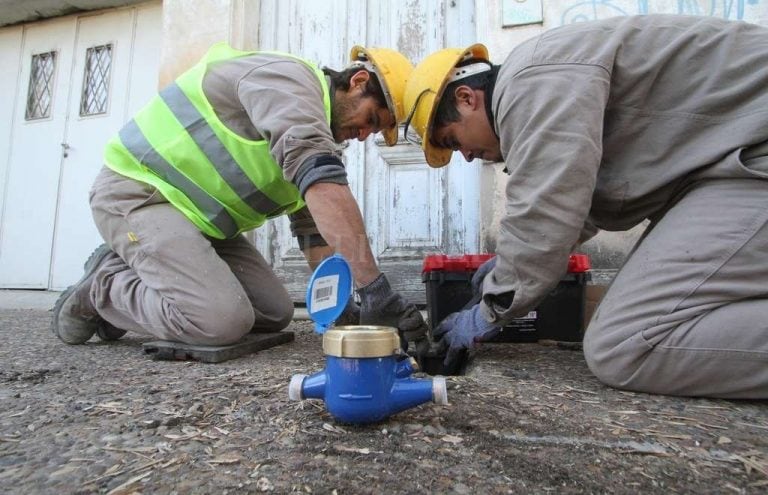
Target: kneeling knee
[[285, 315], [228, 323], [613, 363], [278, 316]]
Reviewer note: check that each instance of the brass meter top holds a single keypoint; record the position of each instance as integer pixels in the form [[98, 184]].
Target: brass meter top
[[361, 341]]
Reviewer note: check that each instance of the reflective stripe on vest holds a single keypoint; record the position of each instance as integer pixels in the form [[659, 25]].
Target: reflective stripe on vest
[[133, 139], [217, 154], [208, 142]]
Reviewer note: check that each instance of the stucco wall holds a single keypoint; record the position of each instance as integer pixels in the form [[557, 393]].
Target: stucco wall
[[190, 27], [609, 249]]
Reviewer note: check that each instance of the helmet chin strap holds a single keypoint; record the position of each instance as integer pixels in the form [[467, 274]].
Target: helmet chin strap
[[463, 72]]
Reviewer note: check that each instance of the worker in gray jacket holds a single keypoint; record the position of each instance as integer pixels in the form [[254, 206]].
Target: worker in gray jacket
[[239, 138], [602, 125]]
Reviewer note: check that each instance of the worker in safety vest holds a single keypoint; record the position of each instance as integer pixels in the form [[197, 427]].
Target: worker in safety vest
[[239, 138], [604, 125]]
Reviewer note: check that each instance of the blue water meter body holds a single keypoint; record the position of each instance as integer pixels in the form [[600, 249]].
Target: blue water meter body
[[366, 378]]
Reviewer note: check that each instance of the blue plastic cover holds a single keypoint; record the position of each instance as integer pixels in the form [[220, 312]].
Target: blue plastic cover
[[328, 291]]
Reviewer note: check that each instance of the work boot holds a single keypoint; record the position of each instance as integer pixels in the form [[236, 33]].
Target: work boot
[[75, 320]]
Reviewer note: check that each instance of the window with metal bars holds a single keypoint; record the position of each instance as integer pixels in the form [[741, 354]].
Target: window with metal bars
[[95, 94], [40, 91]]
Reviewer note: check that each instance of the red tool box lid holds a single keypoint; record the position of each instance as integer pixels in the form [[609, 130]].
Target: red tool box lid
[[454, 263], [577, 263]]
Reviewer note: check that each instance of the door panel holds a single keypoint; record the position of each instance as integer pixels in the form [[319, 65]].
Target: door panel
[[133, 73], [409, 208], [35, 159], [405, 216], [10, 53], [105, 40]]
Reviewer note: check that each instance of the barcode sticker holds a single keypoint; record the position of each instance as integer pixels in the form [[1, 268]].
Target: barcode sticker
[[325, 293]]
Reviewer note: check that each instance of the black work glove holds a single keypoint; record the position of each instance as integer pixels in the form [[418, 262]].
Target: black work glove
[[379, 305], [350, 315]]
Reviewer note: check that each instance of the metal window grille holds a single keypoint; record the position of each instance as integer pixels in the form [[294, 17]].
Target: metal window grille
[[98, 62], [40, 93]]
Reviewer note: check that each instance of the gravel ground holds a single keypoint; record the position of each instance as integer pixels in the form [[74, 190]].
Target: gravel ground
[[103, 418]]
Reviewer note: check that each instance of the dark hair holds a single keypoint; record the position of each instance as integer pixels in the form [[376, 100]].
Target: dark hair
[[446, 110], [340, 80]]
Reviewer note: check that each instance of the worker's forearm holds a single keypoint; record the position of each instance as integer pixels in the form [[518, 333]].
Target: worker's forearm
[[315, 254], [339, 221]]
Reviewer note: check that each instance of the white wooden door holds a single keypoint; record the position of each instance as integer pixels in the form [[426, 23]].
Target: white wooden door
[[35, 157], [10, 54], [410, 209], [101, 89], [102, 72]]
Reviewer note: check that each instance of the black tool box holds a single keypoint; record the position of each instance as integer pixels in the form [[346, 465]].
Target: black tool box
[[560, 316]]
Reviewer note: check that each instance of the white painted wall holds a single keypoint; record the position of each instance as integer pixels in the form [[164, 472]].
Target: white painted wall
[[47, 165]]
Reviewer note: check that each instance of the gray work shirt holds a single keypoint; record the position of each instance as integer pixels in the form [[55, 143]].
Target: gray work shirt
[[603, 124], [278, 99]]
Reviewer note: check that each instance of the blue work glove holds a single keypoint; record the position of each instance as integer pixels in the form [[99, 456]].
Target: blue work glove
[[479, 275], [459, 332], [379, 305]]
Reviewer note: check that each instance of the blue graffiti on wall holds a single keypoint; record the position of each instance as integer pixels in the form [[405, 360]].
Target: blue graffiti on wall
[[601, 9]]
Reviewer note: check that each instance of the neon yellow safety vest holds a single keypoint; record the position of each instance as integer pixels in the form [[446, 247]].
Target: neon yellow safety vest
[[224, 183]]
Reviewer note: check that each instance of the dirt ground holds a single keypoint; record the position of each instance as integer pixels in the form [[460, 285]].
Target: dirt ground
[[103, 418]]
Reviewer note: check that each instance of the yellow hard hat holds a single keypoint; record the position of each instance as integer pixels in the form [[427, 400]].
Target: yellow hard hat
[[424, 89], [392, 69]]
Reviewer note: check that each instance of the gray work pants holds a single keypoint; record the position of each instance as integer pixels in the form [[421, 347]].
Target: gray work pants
[[688, 312], [170, 281]]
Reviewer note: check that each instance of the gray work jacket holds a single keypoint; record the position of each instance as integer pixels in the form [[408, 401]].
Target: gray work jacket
[[603, 124], [279, 99]]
